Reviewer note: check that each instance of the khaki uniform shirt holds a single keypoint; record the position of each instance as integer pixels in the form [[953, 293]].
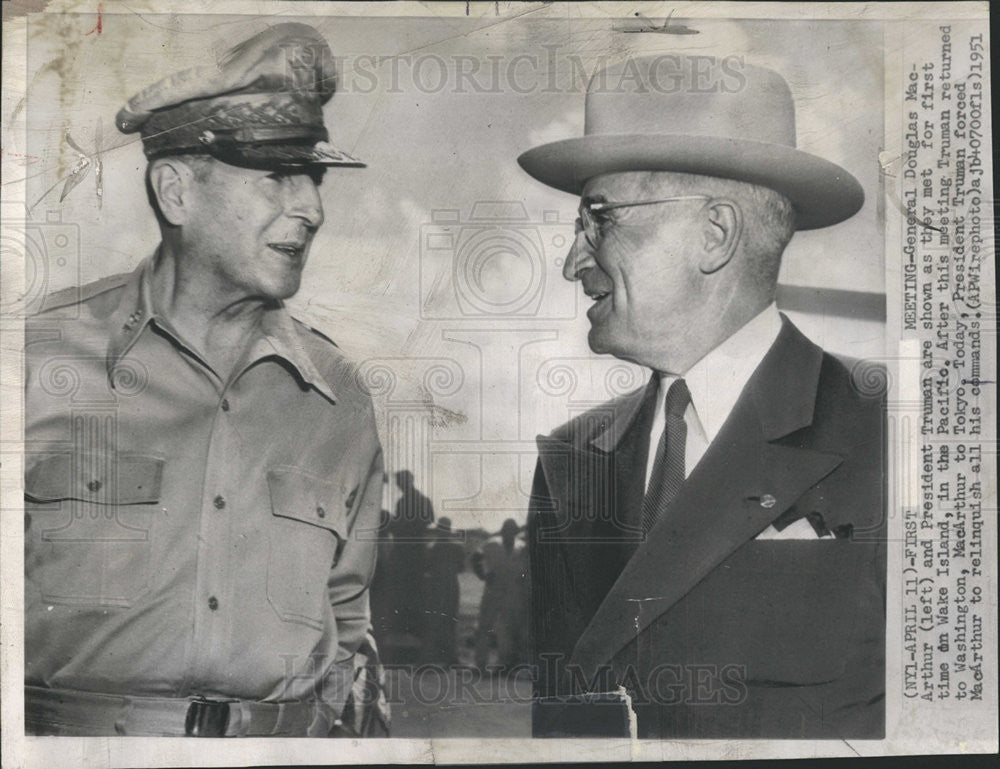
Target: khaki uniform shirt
[[185, 535]]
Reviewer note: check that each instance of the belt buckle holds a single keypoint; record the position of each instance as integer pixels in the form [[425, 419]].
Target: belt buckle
[[206, 718]]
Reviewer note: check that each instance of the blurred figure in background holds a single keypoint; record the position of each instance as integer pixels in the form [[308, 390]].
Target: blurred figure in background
[[503, 566], [445, 559], [409, 530], [414, 511], [382, 590]]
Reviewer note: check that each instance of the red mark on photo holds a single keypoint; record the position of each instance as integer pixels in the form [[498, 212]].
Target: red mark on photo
[[99, 26], [26, 160]]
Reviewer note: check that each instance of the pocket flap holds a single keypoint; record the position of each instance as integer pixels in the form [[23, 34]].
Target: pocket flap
[[107, 479], [305, 498]]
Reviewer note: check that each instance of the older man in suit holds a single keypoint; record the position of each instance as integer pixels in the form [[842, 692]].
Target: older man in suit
[[707, 551]]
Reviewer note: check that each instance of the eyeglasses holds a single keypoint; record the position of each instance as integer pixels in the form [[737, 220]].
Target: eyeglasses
[[591, 212]]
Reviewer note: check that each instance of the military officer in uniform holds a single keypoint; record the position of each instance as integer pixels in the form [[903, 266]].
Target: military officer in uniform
[[199, 465]]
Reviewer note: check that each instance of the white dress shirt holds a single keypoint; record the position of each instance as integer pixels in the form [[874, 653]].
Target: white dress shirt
[[715, 383]]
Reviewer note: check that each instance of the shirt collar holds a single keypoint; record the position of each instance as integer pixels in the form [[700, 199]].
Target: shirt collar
[[277, 332], [130, 318], [716, 381]]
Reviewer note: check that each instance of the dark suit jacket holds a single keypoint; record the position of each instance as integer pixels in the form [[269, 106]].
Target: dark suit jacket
[[711, 632]]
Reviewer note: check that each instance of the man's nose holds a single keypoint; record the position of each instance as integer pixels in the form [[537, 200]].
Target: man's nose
[[303, 201], [580, 256]]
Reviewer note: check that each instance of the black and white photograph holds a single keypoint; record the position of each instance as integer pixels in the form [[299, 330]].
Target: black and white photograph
[[497, 382]]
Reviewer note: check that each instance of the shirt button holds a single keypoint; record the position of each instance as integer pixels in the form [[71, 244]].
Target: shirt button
[[225, 404], [219, 502], [94, 486], [213, 603], [321, 512]]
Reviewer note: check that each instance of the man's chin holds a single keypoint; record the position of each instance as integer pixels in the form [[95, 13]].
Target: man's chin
[[600, 343], [604, 343], [285, 289]]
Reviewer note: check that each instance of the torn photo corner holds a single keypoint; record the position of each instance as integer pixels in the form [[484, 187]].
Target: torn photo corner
[[496, 383]]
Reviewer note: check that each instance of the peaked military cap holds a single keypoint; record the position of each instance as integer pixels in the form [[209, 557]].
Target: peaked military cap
[[261, 105]]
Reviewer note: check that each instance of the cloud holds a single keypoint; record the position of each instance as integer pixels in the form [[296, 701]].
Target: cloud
[[567, 126]]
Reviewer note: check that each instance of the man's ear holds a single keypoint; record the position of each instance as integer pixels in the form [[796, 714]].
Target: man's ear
[[171, 180], [722, 231]]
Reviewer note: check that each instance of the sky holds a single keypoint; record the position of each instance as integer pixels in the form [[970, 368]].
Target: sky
[[438, 267]]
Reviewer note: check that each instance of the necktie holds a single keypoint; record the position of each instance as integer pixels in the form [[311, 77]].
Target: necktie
[[668, 467]]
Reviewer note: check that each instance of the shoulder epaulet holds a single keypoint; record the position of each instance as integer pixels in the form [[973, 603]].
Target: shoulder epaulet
[[76, 294]]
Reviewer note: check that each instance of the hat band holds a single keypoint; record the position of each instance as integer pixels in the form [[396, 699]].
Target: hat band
[[263, 135], [225, 121], [212, 140]]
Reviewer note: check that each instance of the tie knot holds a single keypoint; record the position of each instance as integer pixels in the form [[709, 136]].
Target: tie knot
[[678, 398]]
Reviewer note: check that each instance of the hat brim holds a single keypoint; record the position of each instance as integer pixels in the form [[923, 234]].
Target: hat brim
[[285, 155], [822, 192]]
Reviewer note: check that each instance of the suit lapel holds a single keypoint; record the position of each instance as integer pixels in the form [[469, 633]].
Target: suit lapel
[[590, 473], [745, 480], [594, 495]]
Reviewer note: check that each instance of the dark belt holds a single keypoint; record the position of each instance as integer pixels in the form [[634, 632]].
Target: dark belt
[[62, 711]]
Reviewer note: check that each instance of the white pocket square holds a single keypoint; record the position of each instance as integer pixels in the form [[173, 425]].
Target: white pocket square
[[800, 529]]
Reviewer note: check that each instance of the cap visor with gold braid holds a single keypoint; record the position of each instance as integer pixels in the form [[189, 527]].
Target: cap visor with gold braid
[[260, 106]]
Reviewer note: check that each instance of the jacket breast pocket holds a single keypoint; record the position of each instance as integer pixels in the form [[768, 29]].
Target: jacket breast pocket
[[89, 524], [785, 613], [814, 604], [308, 528]]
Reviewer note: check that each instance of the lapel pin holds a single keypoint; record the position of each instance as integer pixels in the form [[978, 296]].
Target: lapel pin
[[768, 501]]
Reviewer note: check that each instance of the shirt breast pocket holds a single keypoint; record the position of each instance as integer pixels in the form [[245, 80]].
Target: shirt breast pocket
[[89, 524], [308, 529]]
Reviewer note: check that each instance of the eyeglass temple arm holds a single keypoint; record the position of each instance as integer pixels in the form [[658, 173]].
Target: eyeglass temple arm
[[605, 206]]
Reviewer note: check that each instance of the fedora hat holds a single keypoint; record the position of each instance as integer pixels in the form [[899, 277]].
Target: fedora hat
[[444, 525], [697, 115]]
